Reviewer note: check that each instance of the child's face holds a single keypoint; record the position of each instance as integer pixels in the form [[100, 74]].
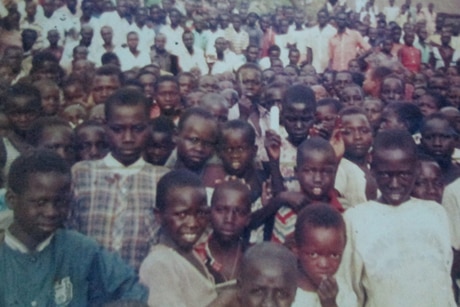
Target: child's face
[[373, 109], [41, 209], [22, 115], [60, 139], [50, 100], [428, 184], [168, 97], [395, 173], [266, 285], [320, 252], [390, 120], [196, 142], [91, 143], [237, 154], [230, 213], [325, 118], [127, 132], [316, 174], [453, 96], [391, 90], [297, 119], [185, 85], [352, 96], [273, 97], [250, 83], [185, 216], [427, 105], [159, 147], [438, 139], [103, 87], [357, 135], [74, 115]]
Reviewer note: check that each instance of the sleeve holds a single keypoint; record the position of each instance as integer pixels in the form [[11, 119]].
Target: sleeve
[[112, 279], [451, 204], [161, 279], [352, 266]]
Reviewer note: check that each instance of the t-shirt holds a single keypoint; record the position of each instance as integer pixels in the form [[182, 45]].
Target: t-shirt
[[399, 255]]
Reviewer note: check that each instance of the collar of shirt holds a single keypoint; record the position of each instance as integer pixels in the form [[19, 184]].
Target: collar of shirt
[[17, 245], [121, 169]]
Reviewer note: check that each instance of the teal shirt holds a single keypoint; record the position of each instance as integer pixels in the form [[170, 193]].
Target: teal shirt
[[73, 270]]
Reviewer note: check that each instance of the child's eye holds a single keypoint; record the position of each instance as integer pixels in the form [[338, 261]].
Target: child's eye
[[116, 129], [281, 294], [335, 256], [257, 291], [139, 128], [313, 255]]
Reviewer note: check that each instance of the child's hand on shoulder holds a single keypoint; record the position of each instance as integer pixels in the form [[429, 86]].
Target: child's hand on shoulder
[[273, 145], [327, 292]]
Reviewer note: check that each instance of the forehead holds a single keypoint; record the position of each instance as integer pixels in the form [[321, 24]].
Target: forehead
[[181, 195], [167, 85], [199, 125], [121, 112], [91, 130], [351, 119], [39, 181], [321, 156], [250, 73], [430, 168], [267, 273], [392, 83], [105, 79], [437, 125], [393, 157], [332, 237]]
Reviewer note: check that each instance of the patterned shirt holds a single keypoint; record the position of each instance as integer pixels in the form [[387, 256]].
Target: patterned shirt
[[114, 205], [285, 220]]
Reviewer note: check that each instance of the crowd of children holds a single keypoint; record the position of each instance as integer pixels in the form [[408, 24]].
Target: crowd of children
[[228, 153]]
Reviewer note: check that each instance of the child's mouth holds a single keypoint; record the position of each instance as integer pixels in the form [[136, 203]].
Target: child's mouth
[[317, 191]]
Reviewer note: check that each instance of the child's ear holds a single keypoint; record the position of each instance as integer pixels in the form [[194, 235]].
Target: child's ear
[[11, 199]]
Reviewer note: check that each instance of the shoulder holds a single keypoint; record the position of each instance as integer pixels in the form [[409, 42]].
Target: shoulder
[[87, 165]]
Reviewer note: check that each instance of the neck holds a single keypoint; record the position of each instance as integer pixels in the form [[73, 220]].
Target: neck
[[305, 283], [341, 30], [223, 247]]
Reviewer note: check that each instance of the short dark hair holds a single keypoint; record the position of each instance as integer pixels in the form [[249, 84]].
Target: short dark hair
[[335, 103], [315, 216], [238, 124], [125, 97], [163, 124], [37, 161], [438, 116], [34, 134], [300, 93], [408, 113], [195, 111], [271, 252], [314, 143], [234, 185], [110, 70], [394, 139], [22, 90], [163, 79], [173, 180]]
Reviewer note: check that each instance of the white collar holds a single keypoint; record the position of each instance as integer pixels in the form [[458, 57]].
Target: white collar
[[17, 245]]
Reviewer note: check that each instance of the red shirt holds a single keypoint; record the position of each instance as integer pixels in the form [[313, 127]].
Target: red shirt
[[410, 57]]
